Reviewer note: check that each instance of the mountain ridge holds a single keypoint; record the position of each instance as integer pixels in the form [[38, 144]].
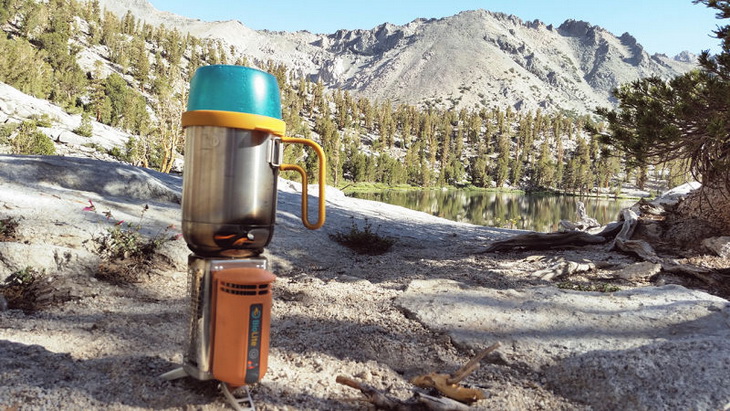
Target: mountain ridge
[[476, 58]]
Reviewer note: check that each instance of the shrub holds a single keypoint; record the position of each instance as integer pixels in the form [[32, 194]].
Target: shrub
[[20, 290], [127, 253], [6, 131], [31, 141], [43, 120], [364, 241], [85, 129], [129, 154]]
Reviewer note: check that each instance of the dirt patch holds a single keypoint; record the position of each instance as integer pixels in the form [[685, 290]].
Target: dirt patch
[[9, 229]]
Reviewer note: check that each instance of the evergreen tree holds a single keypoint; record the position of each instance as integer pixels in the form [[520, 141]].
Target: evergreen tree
[[545, 167], [24, 67], [503, 159], [141, 62]]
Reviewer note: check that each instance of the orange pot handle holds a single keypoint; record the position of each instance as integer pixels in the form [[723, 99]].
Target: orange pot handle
[[322, 183]]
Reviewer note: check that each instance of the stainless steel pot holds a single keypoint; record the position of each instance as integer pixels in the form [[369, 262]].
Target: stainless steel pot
[[229, 190]]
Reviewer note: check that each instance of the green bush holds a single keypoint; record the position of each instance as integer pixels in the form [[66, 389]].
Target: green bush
[[85, 129], [20, 291], [123, 240], [43, 120], [31, 141], [126, 253], [7, 130], [129, 154], [364, 241]]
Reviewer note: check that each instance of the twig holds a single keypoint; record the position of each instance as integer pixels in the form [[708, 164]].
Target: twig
[[374, 396], [472, 365], [419, 402]]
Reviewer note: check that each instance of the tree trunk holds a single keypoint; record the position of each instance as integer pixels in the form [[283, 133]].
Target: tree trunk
[[711, 205]]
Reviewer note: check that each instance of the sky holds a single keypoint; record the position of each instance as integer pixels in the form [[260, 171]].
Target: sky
[[661, 26]]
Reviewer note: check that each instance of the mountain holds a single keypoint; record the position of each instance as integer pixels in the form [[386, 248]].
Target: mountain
[[473, 59]]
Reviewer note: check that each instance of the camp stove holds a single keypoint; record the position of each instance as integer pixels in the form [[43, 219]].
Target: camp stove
[[233, 154]]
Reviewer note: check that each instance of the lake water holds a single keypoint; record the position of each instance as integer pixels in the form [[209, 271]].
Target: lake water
[[537, 212]]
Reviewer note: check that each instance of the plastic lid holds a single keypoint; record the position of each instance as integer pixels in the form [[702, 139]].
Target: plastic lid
[[236, 89]]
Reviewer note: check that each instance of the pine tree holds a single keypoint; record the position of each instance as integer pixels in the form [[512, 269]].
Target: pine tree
[[141, 62], [503, 159], [545, 167]]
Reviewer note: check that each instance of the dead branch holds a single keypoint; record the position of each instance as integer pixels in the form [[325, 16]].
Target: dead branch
[[563, 267], [631, 219], [583, 218], [375, 397], [418, 402], [454, 391], [584, 222], [439, 403], [472, 365], [447, 384]]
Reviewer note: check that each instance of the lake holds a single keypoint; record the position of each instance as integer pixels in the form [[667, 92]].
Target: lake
[[537, 212]]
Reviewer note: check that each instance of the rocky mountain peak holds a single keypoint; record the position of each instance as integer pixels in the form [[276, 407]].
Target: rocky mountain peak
[[575, 28], [686, 57], [474, 59]]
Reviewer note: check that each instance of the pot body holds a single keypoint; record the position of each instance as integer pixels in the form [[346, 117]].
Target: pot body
[[229, 190]]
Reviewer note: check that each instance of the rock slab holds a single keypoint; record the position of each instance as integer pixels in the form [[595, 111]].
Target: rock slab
[[628, 343]]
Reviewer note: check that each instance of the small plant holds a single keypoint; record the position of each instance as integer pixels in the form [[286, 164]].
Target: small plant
[[85, 129], [20, 291], [8, 229], [43, 120], [600, 287], [6, 131], [130, 153], [364, 241], [125, 250], [23, 277]]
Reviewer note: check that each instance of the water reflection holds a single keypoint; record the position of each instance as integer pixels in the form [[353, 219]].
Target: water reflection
[[535, 212]]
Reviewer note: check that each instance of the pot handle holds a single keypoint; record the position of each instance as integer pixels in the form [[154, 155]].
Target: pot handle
[[322, 183]]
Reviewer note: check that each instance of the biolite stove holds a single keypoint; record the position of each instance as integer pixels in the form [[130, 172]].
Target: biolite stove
[[233, 154]]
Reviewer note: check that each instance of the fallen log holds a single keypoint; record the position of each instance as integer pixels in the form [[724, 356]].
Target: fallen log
[[701, 273], [542, 241], [620, 234]]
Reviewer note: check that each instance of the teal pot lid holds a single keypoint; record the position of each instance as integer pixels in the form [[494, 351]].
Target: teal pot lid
[[235, 88]]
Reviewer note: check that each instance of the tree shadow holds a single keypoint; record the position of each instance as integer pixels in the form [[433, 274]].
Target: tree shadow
[[109, 179], [31, 372]]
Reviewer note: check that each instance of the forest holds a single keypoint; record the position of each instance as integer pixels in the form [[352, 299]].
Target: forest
[[138, 82]]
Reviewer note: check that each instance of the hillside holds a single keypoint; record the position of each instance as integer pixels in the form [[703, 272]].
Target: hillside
[[132, 73], [471, 60]]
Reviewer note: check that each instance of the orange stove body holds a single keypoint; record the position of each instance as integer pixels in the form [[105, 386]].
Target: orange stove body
[[241, 315]]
